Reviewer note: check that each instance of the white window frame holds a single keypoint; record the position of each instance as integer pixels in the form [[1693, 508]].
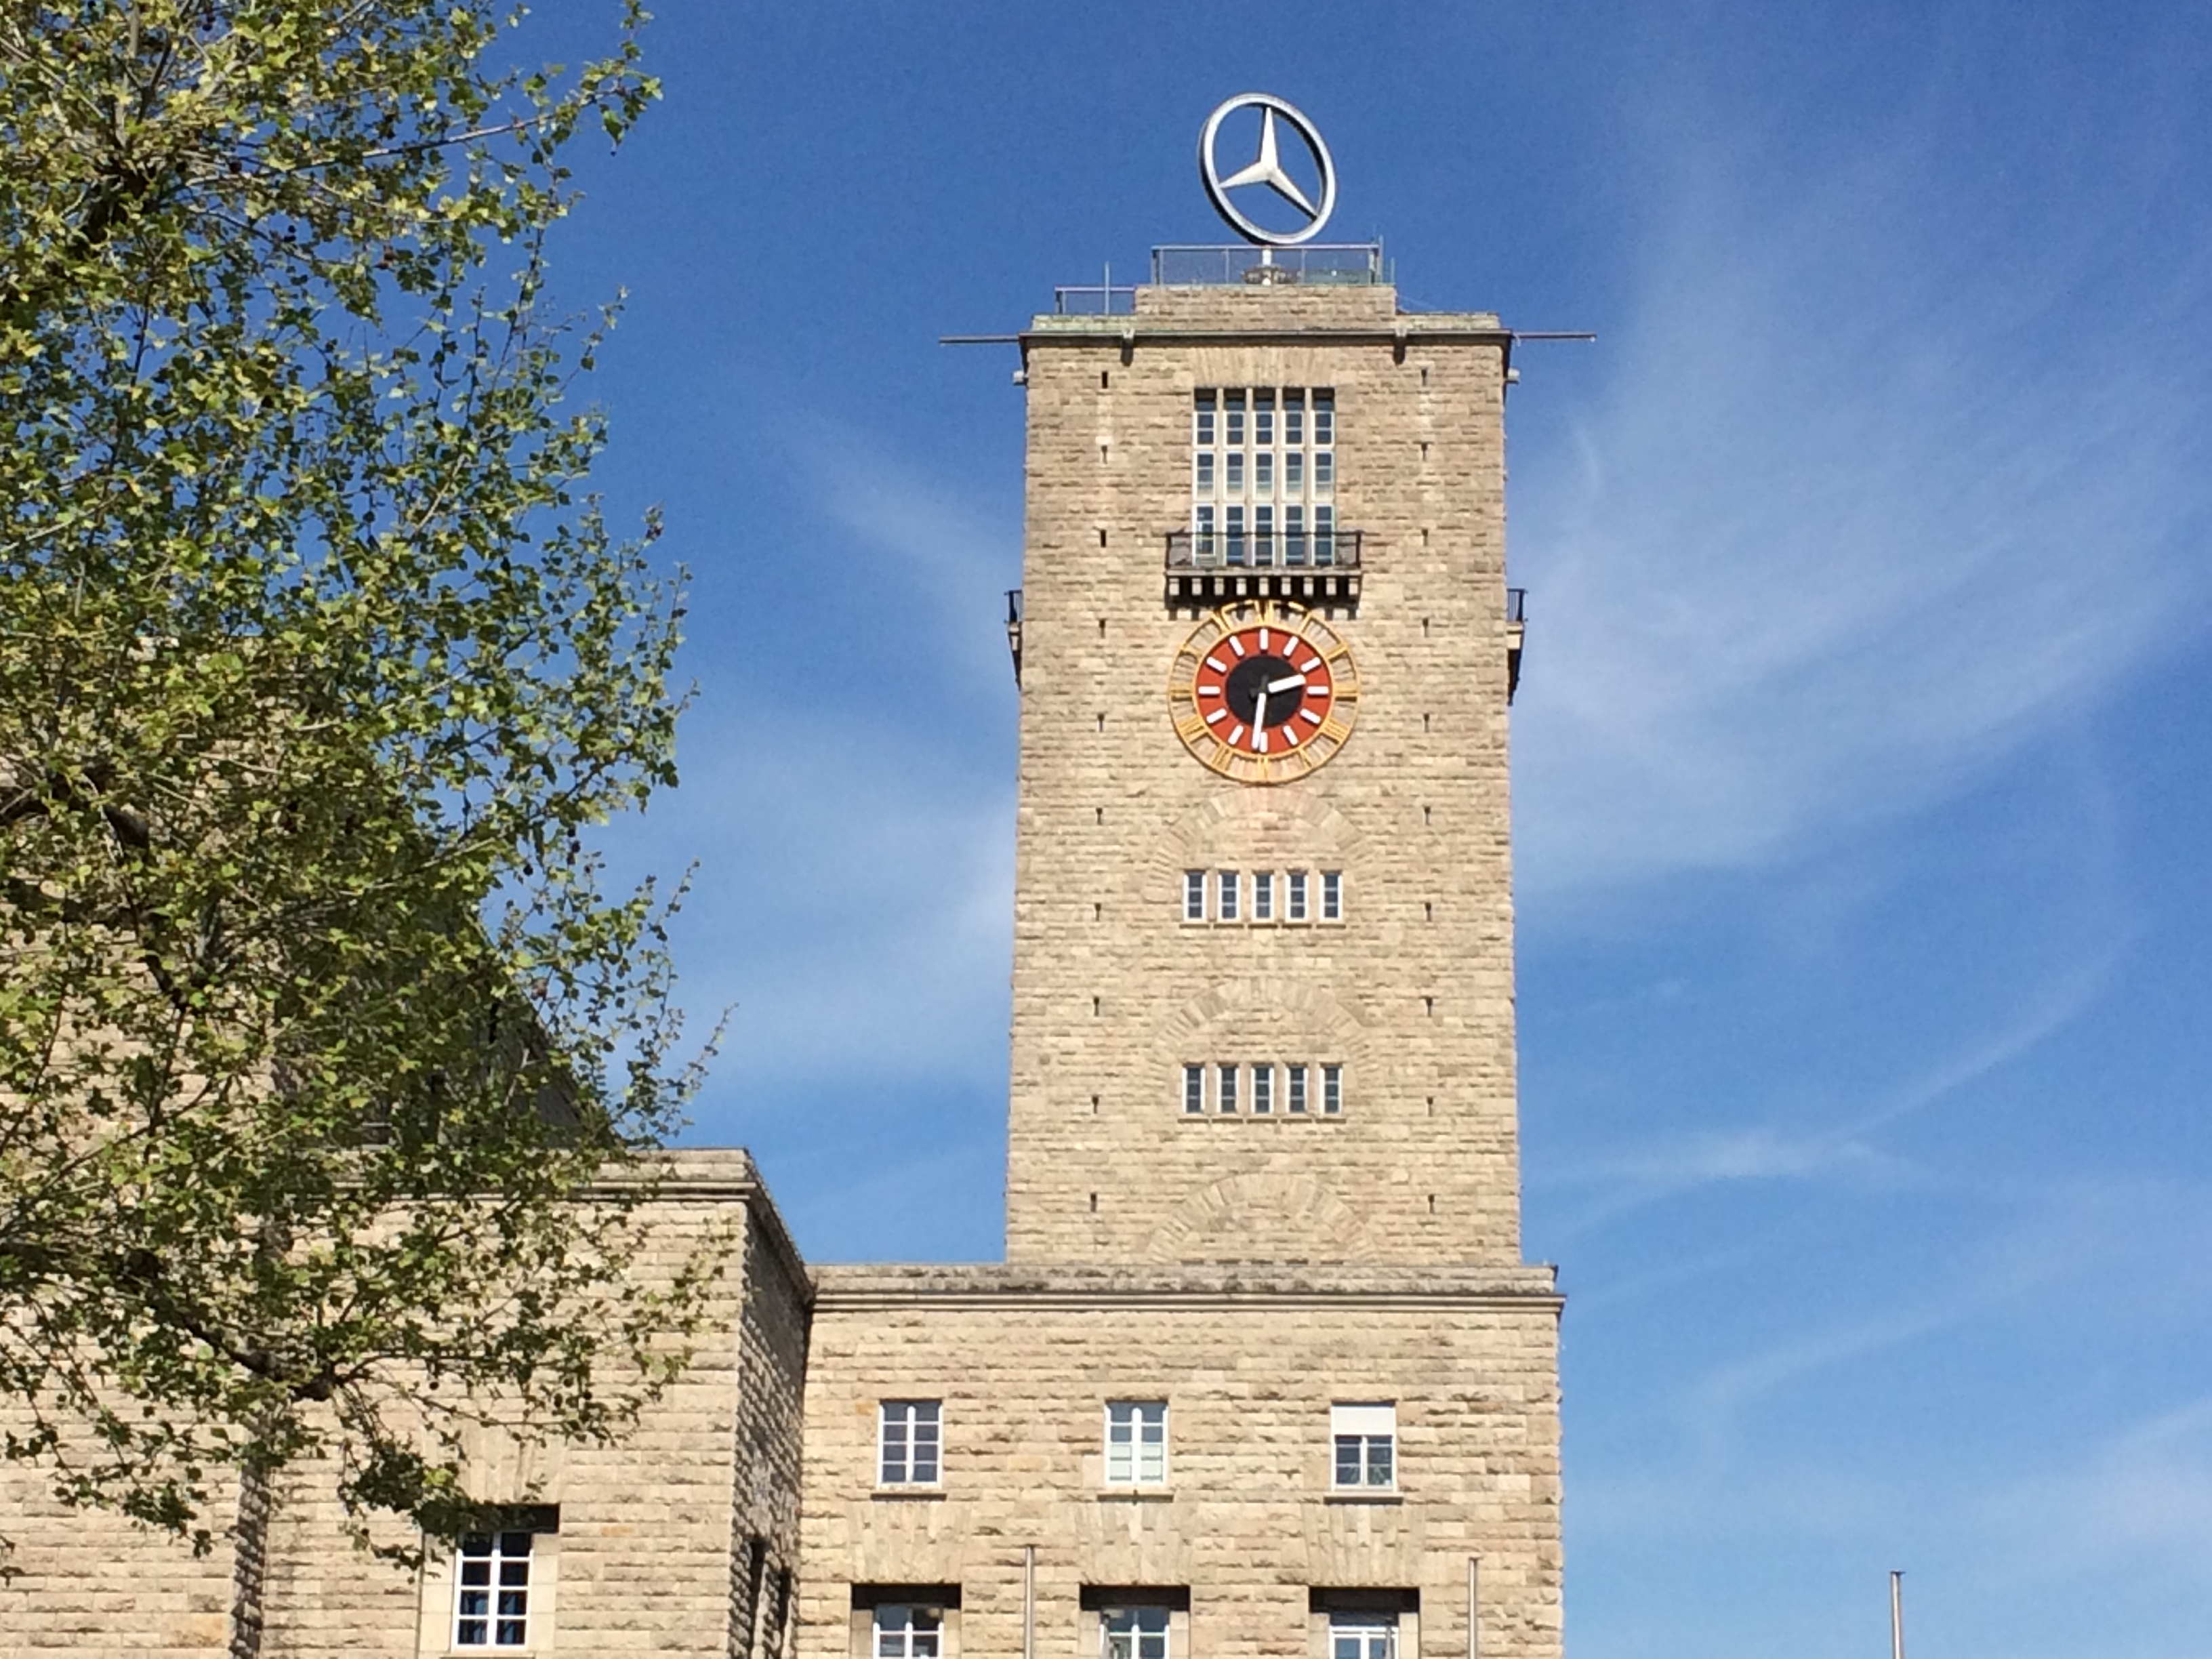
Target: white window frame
[[1263, 1089], [1332, 1090], [1263, 896], [1296, 910], [1332, 895], [919, 1634], [1194, 1089], [909, 1416], [1136, 1442], [1294, 1093], [1193, 895], [1144, 1633], [1225, 1087], [1228, 891], [506, 1613], [1364, 1432], [1362, 1636]]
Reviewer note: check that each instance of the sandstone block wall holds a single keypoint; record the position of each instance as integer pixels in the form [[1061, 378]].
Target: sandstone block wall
[[676, 1540], [1412, 993], [1249, 1361]]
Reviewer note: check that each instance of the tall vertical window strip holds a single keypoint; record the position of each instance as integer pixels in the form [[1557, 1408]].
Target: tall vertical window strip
[[1331, 1089], [1296, 1080], [1254, 448], [491, 1591], [1297, 885], [1225, 891], [1263, 1088], [1193, 895], [1226, 1096], [1136, 1442], [910, 1442], [1332, 895], [908, 1633], [1193, 1089], [1263, 896]]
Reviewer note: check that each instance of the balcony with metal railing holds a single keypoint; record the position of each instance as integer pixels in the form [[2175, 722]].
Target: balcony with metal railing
[[1207, 567]]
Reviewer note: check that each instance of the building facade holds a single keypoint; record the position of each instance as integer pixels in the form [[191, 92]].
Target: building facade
[[1263, 1372]]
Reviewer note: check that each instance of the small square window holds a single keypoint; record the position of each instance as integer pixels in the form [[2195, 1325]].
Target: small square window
[[1332, 895], [1133, 1633], [1295, 1078], [1193, 895], [1331, 1089], [1225, 893], [1136, 1442], [1226, 1098], [1263, 1090], [1263, 896], [1297, 907], [492, 1591], [909, 1443], [1366, 1438], [1193, 1089], [908, 1633]]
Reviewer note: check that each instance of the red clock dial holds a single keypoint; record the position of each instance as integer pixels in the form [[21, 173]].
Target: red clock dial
[[1263, 693]]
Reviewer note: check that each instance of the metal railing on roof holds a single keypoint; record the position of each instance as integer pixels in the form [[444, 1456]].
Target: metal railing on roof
[[1345, 264]]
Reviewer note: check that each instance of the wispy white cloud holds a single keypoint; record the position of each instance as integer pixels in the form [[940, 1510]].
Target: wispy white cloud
[[1853, 517]]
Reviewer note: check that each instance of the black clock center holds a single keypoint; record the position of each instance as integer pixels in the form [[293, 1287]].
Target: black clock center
[[1252, 676]]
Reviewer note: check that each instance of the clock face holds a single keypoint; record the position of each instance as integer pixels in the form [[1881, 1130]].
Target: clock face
[[1263, 693]]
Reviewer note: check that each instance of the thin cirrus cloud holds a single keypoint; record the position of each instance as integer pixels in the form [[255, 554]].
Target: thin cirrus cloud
[[1846, 526]]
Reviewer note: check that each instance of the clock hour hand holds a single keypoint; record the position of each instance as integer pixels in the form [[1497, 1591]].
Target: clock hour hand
[[1288, 682]]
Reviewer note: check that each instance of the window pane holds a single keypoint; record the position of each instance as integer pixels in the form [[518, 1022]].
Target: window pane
[[1263, 1089], [1193, 1088], [1332, 895], [1193, 895], [1297, 896], [1347, 1460], [1227, 1096], [1263, 896], [1332, 1089], [1379, 1448], [1298, 1100], [1225, 891]]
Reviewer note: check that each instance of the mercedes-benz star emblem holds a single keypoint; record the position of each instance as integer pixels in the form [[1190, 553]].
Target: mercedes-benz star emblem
[[1268, 169]]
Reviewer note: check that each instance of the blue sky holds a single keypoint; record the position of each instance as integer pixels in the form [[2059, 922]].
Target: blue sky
[[1862, 782]]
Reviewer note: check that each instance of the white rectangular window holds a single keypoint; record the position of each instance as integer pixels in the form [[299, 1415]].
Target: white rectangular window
[[1362, 1636], [1202, 429], [909, 1443], [1193, 895], [1331, 1089], [1226, 1096], [1297, 907], [905, 1631], [1332, 895], [492, 1591], [1366, 1443], [1263, 896], [1193, 1089], [1133, 1633], [1263, 1089], [1136, 1442], [1296, 1080], [1225, 894]]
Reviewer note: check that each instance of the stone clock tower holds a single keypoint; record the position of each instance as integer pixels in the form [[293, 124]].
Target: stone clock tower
[[1263, 1372]]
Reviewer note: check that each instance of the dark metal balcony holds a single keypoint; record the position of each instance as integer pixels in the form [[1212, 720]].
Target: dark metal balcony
[[1314, 567]]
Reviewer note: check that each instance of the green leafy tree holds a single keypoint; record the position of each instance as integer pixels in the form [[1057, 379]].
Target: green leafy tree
[[317, 670]]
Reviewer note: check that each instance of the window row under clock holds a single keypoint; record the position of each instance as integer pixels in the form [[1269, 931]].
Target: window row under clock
[[1263, 896], [1262, 1088]]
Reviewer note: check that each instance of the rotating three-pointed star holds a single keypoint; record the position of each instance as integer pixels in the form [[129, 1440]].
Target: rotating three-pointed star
[[1263, 694]]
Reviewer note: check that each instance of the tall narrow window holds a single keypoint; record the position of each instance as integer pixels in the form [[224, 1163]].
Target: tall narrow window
[[1324, 417], [1332, 1090], [1263, 416], [1133, 1633], [1136, 1442], [1263, 1089], [1235, 409], [1297, 896], [1193, 895], [1295, 1081], [909, 1443], [492, 1591], [1225, 1096], [1202, 430], [1263, 896], [1193, 1089], [1225, 886], [1332, 895], [1365, 1446]]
